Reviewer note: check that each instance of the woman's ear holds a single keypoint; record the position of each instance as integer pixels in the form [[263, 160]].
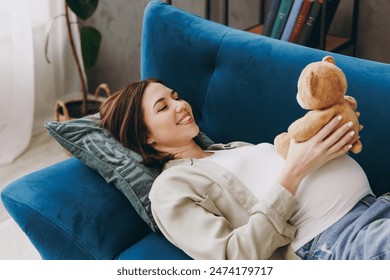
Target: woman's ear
[[150, 141]]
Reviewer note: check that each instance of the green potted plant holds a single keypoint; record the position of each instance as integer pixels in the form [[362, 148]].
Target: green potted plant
[[90, 39]]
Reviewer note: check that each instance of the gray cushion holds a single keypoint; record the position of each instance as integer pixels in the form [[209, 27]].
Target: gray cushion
[[86, 140]]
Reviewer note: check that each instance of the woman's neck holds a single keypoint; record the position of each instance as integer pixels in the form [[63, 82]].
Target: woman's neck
[[190, 150]]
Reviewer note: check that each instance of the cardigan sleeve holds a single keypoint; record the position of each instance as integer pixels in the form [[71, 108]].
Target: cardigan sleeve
[[191, 221]]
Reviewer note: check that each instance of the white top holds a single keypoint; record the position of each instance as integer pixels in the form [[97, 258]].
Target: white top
[[324, 196]]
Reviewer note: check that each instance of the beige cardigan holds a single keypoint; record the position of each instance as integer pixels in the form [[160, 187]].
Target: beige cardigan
[[203, 209]]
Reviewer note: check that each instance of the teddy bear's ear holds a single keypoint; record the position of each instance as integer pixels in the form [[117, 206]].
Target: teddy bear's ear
[[330, 59], [313, 84]]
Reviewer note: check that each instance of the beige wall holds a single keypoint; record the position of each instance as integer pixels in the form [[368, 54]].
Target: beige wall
[[120, 22]]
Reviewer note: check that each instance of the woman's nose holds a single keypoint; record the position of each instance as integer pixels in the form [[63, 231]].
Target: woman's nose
[[180, 107]]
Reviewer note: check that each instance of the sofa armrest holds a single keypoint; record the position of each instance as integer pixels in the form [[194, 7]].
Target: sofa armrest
[[69, 212]]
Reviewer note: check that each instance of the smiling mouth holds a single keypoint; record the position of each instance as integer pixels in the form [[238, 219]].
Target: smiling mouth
[[186, 119]]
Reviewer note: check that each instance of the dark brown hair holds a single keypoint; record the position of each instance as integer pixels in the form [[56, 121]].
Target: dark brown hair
[[123, 116]]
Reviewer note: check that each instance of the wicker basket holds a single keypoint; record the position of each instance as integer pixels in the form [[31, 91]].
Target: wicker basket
[[71, 109]]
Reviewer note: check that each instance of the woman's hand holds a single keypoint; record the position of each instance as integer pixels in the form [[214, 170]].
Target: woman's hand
[[306, 157]]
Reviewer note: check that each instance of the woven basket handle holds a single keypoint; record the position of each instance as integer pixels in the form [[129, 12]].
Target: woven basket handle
[[60, 104], [104, 87]]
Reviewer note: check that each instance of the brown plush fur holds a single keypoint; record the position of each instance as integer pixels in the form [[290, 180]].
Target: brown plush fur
[[321, 89]]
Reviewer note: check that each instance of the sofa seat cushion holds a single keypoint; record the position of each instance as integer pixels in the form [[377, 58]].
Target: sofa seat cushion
[[153, 247]]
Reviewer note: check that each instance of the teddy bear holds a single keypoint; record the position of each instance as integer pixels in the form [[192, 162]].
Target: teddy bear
[[321, 89]]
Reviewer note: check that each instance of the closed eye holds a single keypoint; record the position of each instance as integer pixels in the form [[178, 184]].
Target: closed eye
[[175, 95], [163, 108]]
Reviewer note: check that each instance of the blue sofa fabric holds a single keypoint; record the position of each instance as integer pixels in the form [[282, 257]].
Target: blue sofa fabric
[[247, 89], [242, 86], [70, 212], [153, 246]]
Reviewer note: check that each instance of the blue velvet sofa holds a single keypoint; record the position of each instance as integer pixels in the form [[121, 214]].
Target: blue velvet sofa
[[242, 86]]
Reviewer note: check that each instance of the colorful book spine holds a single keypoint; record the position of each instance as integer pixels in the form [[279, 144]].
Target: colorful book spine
[[301, 19], [309, 24], [321, 26], [292, 18], [281, 18], [270, 18]]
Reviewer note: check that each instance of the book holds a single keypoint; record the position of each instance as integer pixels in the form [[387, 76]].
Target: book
[[301, 19], [270, 18], [281, 18], [309, 24], [292, 17], [330, 10]]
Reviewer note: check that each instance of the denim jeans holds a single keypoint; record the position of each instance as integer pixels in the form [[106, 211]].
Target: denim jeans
[[362, 234]]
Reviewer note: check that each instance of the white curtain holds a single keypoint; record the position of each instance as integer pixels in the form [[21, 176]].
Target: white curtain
[[29, 85]]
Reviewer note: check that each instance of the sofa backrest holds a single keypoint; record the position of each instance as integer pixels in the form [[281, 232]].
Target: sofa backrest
[[242, 86]]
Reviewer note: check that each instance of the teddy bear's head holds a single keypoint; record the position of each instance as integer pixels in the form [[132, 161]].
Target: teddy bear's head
[[321, 84]]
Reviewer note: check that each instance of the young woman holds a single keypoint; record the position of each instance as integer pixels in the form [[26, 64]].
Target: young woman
[[243, 201]]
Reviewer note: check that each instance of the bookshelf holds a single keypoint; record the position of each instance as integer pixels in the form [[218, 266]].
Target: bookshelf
[[325, 42]]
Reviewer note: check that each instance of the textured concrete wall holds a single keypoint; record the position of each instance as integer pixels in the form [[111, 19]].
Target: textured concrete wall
[[120, 22], [374, 30], [373, 37]]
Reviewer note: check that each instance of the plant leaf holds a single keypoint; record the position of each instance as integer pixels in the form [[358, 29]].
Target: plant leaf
[[90, 45], [83, 8]]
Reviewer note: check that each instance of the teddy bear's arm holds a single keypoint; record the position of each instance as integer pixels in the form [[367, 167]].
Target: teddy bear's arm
[[307, 126], [351, 101]]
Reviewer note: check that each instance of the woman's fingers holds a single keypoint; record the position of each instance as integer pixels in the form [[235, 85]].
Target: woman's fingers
[[339, 142], [343, 145], [337, 135], [328, 128], [332, 139]]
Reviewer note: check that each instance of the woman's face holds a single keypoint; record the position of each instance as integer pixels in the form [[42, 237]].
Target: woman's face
[[168, 118]]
